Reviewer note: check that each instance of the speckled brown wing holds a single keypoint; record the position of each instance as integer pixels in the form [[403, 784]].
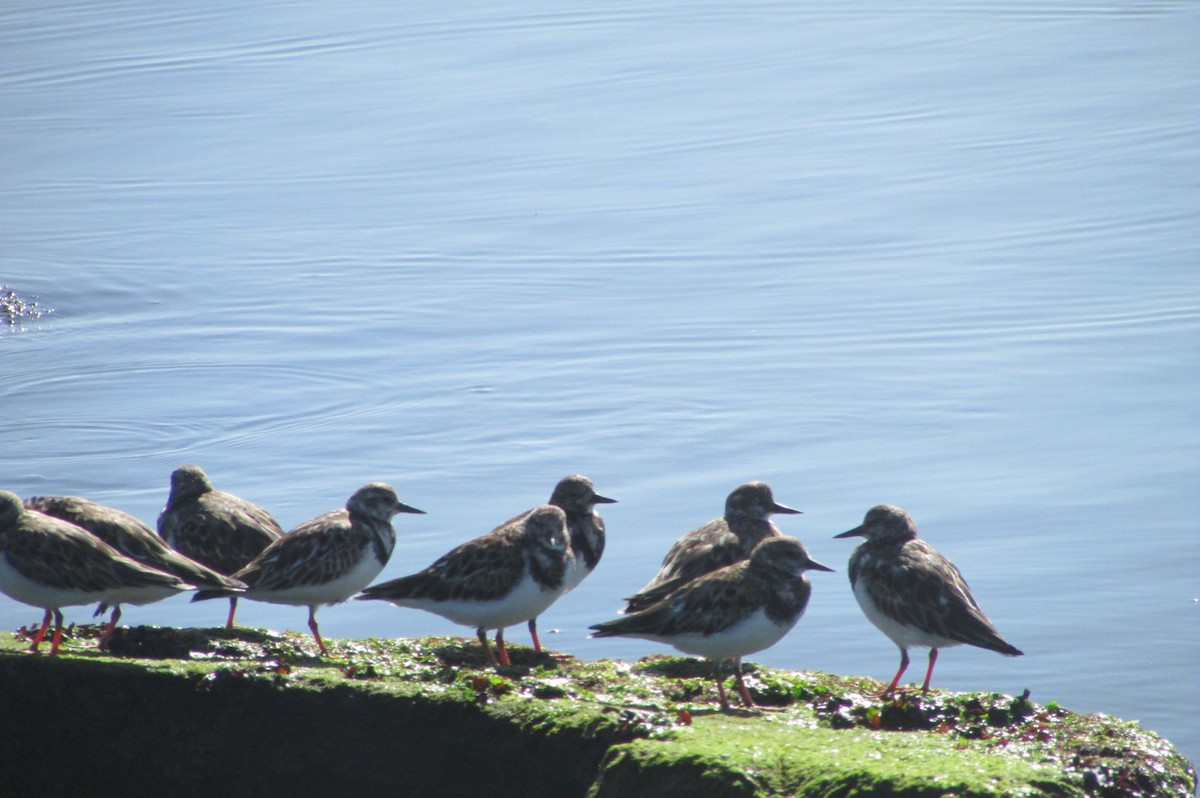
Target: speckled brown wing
[[314, 553], [687, 558], [699, 552], [704, 606], [482, 569], [916, 586], [115, 527], [515, 520], [58, 554], [219, 530], [257, 516], [130, 536]]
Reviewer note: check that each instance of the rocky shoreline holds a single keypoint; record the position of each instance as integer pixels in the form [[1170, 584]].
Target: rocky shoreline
[[253, 712]]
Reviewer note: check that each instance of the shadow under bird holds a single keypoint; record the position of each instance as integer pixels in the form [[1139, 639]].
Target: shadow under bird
[[134, 539], [576, 496], [718, 543], [216, 529], [326, 560], [733, 611], [510, 575], [50, 563], [913, 594]]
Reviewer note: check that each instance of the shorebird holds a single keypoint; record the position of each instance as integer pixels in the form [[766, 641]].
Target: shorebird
[[214, 528], [577, 497], [50, 563], [731, 612], [509, 575], [134, 539], [718, 543], [913, 594], [325, 560]]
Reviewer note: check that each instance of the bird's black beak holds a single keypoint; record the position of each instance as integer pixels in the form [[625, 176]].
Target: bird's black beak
[[776, 507], [598, 499], [401, 507], [858, 531], [816, 566]]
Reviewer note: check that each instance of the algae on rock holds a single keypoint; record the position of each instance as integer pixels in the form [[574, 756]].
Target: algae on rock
[[250, 712]]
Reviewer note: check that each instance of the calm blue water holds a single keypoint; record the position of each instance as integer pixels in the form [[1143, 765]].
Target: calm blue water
[[941, 255]]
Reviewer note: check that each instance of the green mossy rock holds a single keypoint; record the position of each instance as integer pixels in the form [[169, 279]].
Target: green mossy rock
[[249, 712]]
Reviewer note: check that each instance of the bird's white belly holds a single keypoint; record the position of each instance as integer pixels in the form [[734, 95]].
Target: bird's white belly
[[17, 586], [527, 600], [577, 571], [902, 635], [332, 592], [755, 633]]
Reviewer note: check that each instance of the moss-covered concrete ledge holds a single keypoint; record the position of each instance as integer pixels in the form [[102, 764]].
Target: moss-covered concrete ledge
[[250, 712]]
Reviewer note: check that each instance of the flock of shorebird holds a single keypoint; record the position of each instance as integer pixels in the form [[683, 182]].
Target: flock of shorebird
[[732, 587]]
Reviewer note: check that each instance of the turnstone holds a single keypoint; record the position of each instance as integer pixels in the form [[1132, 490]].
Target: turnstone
[[507, 576], [132, 538], [913, 594], [214, 528], [731, 612], [718, 543], [325, 560], [50, 563], [577, 497]]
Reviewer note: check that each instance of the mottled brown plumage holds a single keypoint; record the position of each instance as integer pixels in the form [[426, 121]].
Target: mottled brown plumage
[[128, 535], [218, 529], [576, 496], [51, 563], [733, 611], [718, 543], [913, 594], [131, 537], [214, 528], [327, 559], [509, 575]]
